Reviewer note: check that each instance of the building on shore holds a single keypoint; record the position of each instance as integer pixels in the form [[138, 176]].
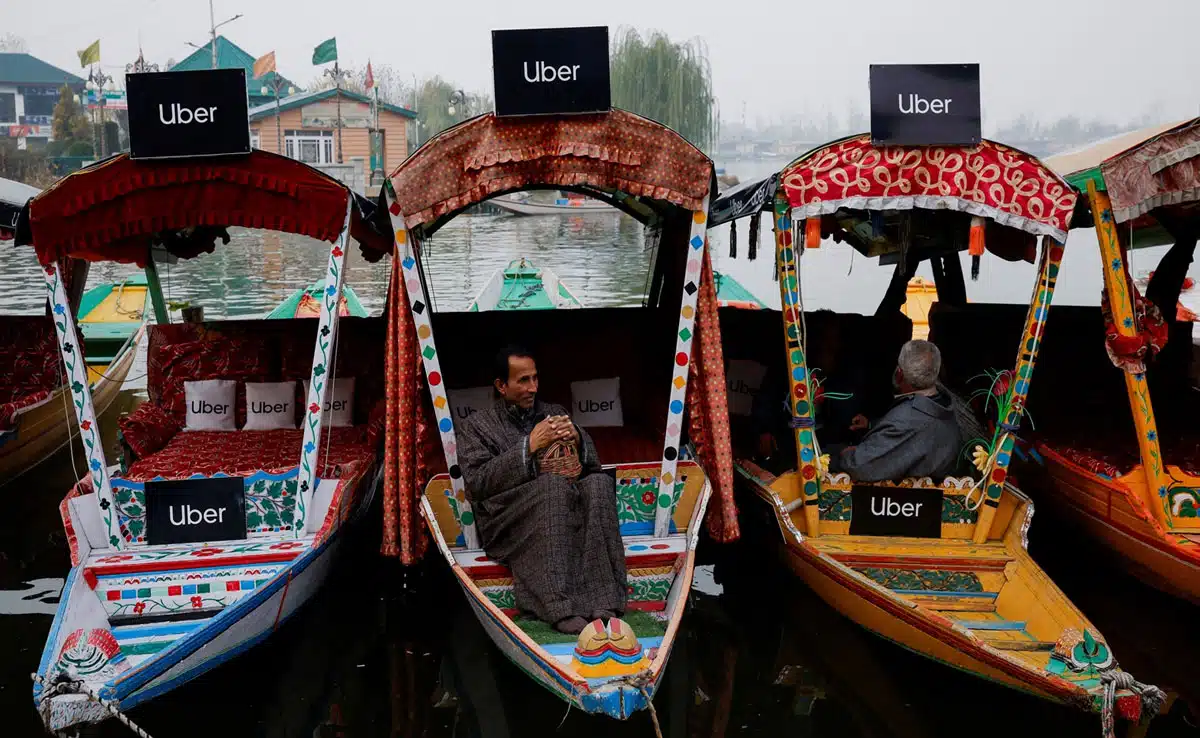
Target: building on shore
[[29, 90], [305, 128]]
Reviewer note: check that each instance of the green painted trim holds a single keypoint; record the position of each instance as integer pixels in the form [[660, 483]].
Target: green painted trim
[[300, 99], [1079, 179], [161, 315], [731, 290]]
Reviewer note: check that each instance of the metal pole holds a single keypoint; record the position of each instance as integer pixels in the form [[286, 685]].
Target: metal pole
[[337, 75], [212, 30], [278, 120]]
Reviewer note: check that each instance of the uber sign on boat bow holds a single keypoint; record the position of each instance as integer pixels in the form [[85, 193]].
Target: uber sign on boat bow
[[545, 71], [195, 510], [176, 114]]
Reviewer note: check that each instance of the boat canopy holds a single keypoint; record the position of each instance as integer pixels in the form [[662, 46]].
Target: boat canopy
[[989, 180], [13, 196], [743, 200], [1163, 171], [628, 161], [117, 209]]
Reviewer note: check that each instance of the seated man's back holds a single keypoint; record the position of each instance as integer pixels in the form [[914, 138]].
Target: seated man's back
[[919, 436]]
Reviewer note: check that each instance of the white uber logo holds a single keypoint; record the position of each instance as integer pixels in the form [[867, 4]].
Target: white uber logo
[[743, 379], [189, 515], [543, 72], [597, 403], [176, 114], [918, 105]]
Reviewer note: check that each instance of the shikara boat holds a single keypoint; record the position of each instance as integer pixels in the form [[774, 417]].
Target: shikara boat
[[523, 286], [731, 293], [660, 498], [306, 303], [32, 402], [149, 605], [566, 202], [959, 588], [1132, 480]]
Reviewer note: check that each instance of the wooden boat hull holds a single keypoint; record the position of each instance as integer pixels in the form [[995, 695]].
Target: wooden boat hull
[[962, 634], [522, 286], [234, 630], [617, 697], [295, 306], [1111, 512], [48, 427], [518, 207]]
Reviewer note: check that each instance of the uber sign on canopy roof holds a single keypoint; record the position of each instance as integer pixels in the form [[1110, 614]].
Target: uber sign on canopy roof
[[925, 104], [177, 114], [544, 71]]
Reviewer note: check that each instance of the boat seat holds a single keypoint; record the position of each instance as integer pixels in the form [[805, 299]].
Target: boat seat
[[141, 585], [651, 564]]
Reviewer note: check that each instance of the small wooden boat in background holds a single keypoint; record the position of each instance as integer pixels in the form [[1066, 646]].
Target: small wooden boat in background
[[731, 293], [523, 286], [522, 203], [34, 414], [306, 303]]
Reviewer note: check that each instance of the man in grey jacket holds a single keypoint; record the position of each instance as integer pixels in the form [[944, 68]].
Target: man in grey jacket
[[919, 436]]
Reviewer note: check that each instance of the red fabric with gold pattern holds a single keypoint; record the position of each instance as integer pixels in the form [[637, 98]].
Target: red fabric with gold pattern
[[31, 363], [989, 180], [1162, 171], [1130, 353], [411, 445], [489, 155], [708, 410], [221, 358], [1090, 459], [148, 429], [111, 211], [237, 453]]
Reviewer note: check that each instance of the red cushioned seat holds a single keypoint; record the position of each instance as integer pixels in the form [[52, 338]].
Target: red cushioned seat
[[238, 453], [30, 358]]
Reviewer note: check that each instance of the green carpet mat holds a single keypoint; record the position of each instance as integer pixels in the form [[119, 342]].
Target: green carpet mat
[[644, 625]]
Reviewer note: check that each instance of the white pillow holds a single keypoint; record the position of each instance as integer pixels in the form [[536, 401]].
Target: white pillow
[[465, 402], [597, 403], [270, 405], [339, 403], [210, 404]]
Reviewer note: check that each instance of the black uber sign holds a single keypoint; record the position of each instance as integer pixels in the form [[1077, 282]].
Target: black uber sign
[[925, 104], [195, 510], [541, 71], [896, 511], [176, 114]]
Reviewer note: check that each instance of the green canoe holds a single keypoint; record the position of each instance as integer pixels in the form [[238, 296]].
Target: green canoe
[[109, 316], [523, 286], [306, 303]]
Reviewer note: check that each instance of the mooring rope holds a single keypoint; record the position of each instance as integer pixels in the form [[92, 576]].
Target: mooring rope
[[639, 681], [69, 686], [1151, 696]]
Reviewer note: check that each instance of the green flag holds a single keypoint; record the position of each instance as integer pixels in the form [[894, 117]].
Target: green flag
[[325, 52], [90, 55]]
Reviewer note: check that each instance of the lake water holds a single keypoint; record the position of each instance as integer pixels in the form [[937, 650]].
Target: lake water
[[388, 652]]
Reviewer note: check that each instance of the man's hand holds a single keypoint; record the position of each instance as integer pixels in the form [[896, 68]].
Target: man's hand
[[859, 422], [542, 435], [565, 429]]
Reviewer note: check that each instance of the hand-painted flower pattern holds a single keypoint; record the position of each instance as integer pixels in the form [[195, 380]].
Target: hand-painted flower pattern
[[105, 504], [648, 497], [207, 551], [1115, 265], [86, 425], [337, 251], [59, 310], [331, 290], [68, 348], [96, 465], [314, 408], [50, 269], [286, 545], [1151, 435], [309, 447], [197, 602], [139, 608], [114, 559]]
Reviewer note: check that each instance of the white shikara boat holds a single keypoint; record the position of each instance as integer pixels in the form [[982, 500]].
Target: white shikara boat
[[611, 668], [163, 585], [523, 204]]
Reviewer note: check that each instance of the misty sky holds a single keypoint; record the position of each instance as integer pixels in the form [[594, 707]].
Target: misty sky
[[1112, 59]]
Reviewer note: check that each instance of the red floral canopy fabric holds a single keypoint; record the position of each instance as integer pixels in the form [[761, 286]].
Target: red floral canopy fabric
[[111, 211], [989, 180], [489, 155], [1162, 171]]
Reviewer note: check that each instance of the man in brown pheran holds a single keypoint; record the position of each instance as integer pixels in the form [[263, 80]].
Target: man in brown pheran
[[559, 536]]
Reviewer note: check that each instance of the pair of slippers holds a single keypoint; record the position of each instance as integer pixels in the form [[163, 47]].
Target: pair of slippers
[[574, 625]]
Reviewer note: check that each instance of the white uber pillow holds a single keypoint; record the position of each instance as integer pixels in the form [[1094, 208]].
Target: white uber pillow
[[597, 403], [743, 380], [339, 403], [270, 405], [210, 404], [466, 402]]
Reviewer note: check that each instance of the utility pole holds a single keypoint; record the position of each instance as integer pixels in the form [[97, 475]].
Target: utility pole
[[212, 32], [337, 74]]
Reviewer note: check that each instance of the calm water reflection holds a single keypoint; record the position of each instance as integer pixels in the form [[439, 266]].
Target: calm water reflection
[[385, 652]]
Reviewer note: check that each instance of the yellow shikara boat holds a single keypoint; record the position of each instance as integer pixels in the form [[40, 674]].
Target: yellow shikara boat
[[937, 566], [1135, 486]]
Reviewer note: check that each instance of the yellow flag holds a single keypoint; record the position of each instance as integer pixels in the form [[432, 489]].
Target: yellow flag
[[264, 64], [90, 55]]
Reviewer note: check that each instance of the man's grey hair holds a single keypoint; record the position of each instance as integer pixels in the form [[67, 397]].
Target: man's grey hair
[[920, 362]]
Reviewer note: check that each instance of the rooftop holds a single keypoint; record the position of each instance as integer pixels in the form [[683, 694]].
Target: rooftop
[[267, 110], [24, 69], [232, 56]]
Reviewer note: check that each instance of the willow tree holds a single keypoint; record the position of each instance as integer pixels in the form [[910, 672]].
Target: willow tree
[[666, 81]]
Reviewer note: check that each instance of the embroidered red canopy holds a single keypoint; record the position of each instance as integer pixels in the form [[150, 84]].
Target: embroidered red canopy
[[112, 211], [1162, 171], [989, 180], [489, 155]]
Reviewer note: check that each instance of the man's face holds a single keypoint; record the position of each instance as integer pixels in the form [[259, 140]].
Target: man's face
[[522, 385]]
